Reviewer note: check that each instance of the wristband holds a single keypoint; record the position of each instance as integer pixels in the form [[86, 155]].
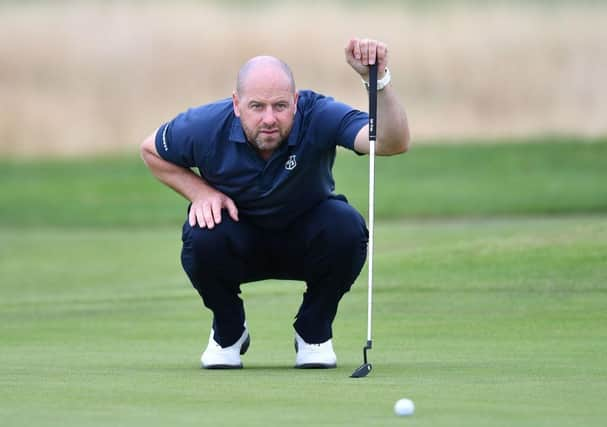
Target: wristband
[[381, 84]]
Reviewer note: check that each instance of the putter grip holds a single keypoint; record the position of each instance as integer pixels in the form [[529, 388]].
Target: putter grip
[[373, 102]]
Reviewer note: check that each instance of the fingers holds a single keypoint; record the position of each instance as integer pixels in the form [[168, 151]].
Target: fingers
[[192, 216], [203, 215], [215, 212], [207, 213], [232, 210], [382, 56], [367, 51], [200, 213], [352, 50]]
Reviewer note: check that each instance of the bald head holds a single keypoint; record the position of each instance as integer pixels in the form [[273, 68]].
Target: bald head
[[269, 69]]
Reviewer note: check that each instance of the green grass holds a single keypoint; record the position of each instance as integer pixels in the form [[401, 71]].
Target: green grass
[[555, 176], [494, 322], [551, 176], [489, 305]]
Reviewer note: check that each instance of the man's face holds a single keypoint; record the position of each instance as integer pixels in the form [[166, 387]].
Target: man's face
[[266, 106]]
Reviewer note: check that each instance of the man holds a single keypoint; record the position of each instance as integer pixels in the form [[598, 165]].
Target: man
[[265, 157]]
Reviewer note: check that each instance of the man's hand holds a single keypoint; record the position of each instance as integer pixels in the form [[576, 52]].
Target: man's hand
[[206, 208], [392, 126], [207, 202], [360, 53]]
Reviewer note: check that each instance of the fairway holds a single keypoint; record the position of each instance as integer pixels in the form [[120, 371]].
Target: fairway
[[486, 322]]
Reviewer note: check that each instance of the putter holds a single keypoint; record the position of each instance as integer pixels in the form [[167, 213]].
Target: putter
[[364, 369]]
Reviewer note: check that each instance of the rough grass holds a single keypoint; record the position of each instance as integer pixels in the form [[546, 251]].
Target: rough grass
[[468, 68]]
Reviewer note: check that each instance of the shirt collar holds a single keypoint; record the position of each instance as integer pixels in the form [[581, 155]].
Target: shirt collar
[[237, 133]]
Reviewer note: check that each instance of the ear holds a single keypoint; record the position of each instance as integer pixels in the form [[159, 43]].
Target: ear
[[236, 104], [295, 99]]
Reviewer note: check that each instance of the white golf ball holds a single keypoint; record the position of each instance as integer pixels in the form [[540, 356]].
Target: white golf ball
[[404, 407]]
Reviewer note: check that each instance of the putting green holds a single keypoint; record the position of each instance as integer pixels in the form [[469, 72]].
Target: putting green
[[494, 322]]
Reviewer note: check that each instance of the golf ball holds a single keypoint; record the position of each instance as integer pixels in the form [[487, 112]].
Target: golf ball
[[404, 407]]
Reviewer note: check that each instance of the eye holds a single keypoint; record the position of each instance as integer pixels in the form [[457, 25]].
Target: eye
[[281, 106]]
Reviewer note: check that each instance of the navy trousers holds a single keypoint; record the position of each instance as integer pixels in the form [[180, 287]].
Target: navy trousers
[[326, 247]]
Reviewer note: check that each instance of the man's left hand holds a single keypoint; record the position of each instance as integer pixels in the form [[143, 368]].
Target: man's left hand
[[360, 53]]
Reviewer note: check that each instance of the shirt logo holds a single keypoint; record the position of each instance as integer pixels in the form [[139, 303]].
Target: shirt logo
[[291, 163]]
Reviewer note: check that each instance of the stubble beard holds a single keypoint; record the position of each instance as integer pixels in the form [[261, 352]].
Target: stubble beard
[[268, 143], [262, 143]]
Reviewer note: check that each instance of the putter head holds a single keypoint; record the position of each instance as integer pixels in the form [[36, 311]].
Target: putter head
[[362, 371]]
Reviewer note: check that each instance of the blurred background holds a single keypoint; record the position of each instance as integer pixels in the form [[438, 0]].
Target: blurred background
[[90, 77]]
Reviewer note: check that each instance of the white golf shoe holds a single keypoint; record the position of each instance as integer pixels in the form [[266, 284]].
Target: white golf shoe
[[217, 357], [320, 356]]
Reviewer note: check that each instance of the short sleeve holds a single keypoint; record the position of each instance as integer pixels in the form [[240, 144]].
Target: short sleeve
[[175, 141], [339, 122], [349, 127]]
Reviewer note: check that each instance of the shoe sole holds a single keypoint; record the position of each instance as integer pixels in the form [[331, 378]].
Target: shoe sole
[[316, 366], [223, 366]]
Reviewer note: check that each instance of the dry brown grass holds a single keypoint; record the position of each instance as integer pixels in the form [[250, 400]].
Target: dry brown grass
[[95, 78]]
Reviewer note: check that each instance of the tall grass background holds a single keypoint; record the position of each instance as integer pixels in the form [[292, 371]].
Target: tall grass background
[[96, 77]]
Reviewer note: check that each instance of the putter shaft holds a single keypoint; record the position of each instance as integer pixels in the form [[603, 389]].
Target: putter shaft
[[364, 369]]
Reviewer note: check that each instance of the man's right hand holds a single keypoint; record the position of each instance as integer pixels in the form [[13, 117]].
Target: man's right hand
[[206, 209], [207, 203]]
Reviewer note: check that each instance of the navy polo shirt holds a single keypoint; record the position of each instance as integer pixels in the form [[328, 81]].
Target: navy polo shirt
[[269, 193]]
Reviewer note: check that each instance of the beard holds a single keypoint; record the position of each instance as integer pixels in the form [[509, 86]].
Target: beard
[[266, 139]]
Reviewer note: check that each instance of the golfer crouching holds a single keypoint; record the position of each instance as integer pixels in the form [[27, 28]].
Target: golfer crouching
[[263, 206]]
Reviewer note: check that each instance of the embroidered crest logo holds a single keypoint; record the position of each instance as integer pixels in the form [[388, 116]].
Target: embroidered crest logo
[[291, 163]]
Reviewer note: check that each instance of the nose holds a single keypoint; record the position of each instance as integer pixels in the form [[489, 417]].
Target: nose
[[268, 116]]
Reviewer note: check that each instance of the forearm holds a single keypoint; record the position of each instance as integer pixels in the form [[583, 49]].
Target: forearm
[[182, 180], [392, 125]]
